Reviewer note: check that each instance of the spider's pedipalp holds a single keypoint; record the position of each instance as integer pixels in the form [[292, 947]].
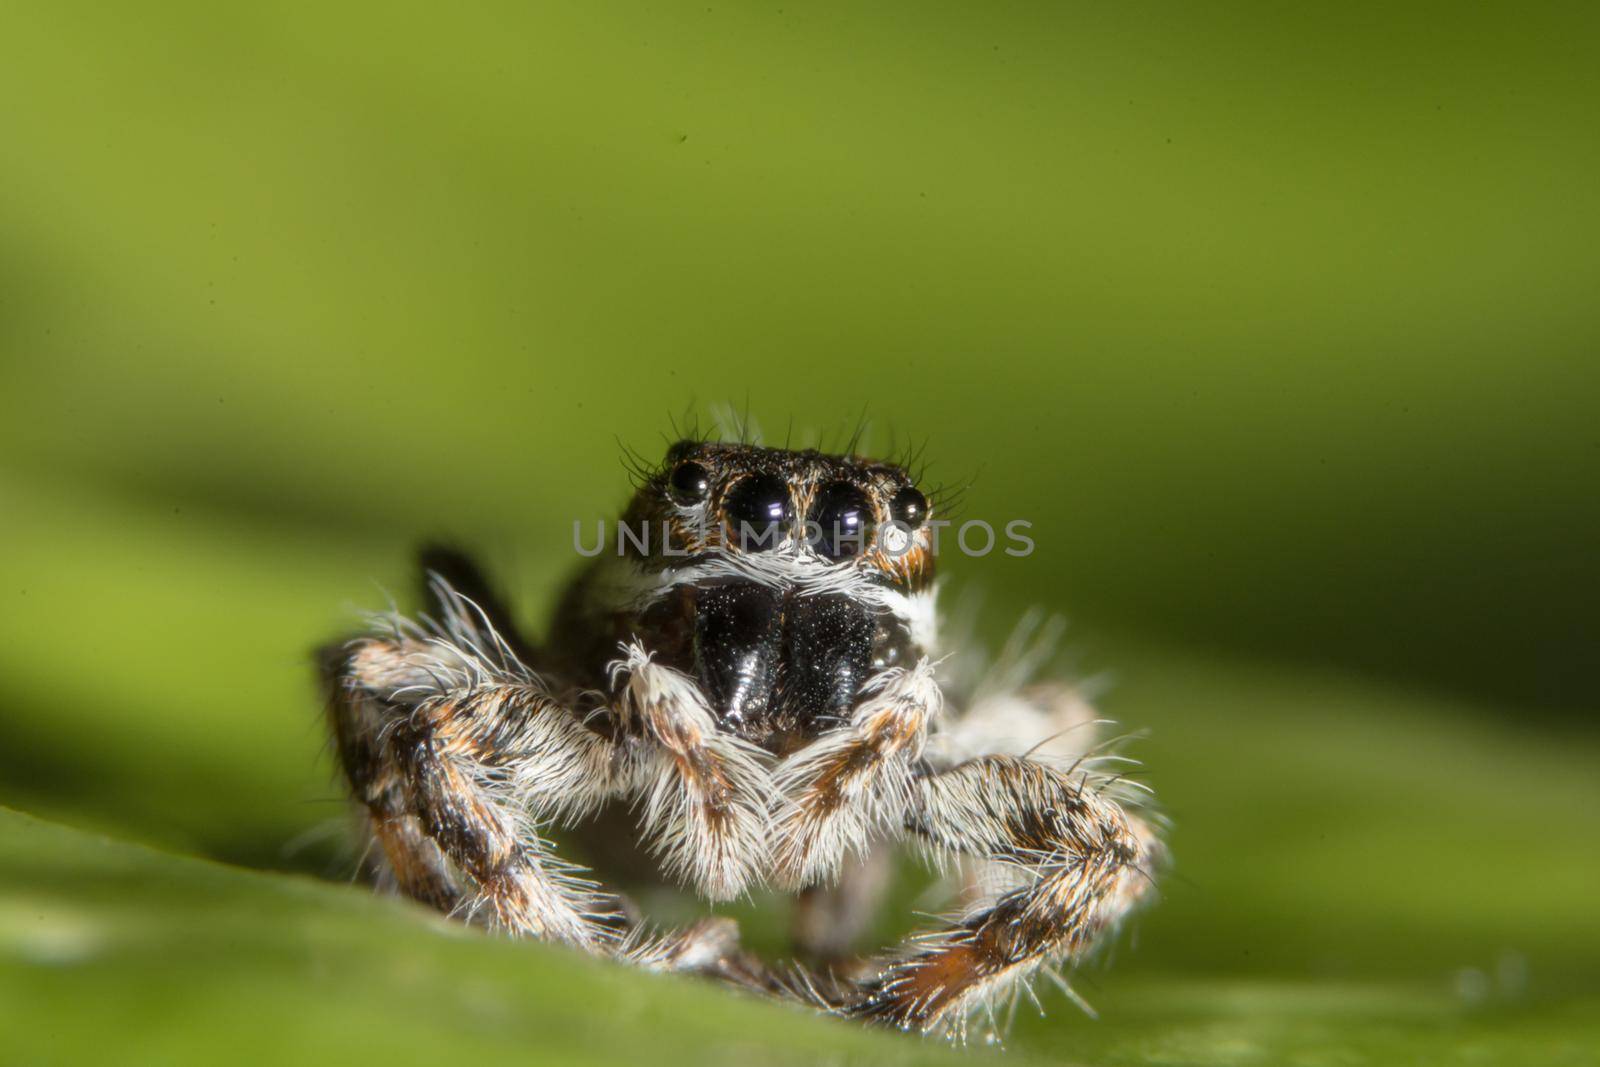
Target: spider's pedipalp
[[705, 791], [854, 782]]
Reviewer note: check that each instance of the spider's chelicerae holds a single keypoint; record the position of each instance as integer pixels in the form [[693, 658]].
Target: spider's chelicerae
[[761, 687]]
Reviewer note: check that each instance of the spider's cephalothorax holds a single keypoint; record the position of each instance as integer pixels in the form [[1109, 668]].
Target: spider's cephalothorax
[[782, 582], [753, 671]]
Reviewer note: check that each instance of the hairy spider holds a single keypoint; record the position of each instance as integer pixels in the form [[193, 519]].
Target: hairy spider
[[755, 675]]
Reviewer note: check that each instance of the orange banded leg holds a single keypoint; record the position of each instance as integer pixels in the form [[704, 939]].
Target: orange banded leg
[[855, 783], [1081, 863]]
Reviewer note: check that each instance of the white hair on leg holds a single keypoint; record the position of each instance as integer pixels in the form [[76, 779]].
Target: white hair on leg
[[853, 782], [1083, 863], [445, 771], [705, 790]]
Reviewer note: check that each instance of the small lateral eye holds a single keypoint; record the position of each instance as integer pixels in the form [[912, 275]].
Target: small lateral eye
[[909, 507], [690, 483]]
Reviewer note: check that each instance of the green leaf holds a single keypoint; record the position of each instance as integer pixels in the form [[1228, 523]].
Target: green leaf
[[109, 950]]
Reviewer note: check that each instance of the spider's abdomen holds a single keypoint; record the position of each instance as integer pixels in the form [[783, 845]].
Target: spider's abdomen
[[780, 667]]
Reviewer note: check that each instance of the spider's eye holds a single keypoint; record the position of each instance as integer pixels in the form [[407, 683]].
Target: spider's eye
[[758, 511], [842, 513], [690, 483], [909, 507]]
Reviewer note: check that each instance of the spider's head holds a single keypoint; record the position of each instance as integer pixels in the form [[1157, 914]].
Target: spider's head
[[781, 580], [784, 580], [785, 512]]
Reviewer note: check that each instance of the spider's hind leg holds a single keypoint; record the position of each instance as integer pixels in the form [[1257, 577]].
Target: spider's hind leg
[[829, 919], [449, 575]]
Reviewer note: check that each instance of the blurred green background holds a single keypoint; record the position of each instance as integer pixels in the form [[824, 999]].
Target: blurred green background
[[1277, 323]]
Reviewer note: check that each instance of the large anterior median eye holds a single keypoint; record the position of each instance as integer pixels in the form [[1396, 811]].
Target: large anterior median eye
[[842, 513], [758, 511]]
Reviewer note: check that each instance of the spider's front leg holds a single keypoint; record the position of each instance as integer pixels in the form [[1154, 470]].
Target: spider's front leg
[[1082, 863], [459, 754]]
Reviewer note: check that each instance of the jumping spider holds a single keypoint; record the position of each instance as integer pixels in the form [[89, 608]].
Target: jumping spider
[[760, 686]]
